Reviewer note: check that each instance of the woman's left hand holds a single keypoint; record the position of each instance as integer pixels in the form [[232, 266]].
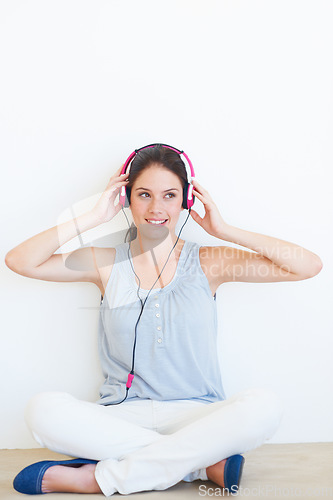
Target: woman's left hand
[[212, 221]]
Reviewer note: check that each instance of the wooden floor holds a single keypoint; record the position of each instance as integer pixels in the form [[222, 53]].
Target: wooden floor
[[300, 471]]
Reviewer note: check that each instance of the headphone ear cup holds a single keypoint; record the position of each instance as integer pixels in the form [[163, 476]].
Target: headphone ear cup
[[185, 191], [185, 195], [127, 197]]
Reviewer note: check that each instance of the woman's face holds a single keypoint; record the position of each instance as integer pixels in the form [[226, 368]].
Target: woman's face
[[156, 200]]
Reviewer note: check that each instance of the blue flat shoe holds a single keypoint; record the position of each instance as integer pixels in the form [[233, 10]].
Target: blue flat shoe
[[29, 480], [233, 472]]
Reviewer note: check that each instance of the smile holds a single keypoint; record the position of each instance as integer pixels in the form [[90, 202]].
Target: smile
[[159, 222]]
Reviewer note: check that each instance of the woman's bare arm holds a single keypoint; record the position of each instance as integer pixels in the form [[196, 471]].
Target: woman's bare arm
[[36, 258]]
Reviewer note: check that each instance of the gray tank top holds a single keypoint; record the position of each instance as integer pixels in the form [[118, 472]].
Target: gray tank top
[[176, 352]]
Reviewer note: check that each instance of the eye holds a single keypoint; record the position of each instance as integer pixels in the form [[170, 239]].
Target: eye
[[172, 195]]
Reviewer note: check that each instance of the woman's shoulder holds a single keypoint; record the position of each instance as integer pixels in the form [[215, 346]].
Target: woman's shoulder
[[104, 256], [205, 252], [211, 252]]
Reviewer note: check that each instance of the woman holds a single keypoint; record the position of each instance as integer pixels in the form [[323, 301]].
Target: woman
[[172, 422]]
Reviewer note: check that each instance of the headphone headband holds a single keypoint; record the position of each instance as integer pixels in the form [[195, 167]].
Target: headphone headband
[[131, 156]]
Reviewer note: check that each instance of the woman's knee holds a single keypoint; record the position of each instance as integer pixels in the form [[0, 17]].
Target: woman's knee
[[265, 403], [42, 406]]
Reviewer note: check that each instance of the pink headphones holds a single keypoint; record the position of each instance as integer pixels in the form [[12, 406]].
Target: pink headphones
[[188, 198]]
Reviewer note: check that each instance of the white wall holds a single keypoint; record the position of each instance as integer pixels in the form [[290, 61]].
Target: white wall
[[245, 88]]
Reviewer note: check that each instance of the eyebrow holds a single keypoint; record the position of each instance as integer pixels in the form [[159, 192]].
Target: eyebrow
[[171, 189]]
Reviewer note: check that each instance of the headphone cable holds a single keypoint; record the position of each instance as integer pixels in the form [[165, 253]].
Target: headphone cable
[[131, 374]]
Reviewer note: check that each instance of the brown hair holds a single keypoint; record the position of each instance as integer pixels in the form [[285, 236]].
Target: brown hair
[[161, 155]]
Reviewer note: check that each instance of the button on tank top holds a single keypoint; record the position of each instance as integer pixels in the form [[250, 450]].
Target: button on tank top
[[176, 353]]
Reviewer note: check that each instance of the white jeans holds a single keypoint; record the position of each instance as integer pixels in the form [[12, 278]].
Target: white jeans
[[148, 445]]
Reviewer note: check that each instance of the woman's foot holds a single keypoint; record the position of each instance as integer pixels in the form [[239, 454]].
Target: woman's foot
[[65, 479], [215, 472], [227, 473]]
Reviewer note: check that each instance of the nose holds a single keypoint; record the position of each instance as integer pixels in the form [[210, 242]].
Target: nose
[[155, 206]]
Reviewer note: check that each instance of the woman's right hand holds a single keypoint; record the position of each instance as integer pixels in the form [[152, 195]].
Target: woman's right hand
[[105, 209]]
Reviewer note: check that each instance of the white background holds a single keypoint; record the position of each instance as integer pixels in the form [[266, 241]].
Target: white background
[[245, 89]]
